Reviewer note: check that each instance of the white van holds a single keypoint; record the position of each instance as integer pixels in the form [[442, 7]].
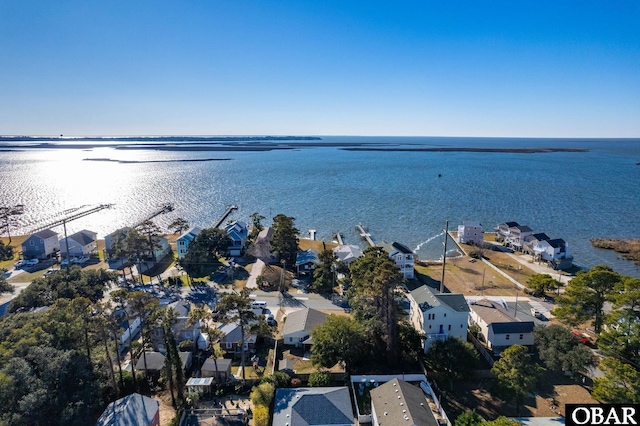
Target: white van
[[258, 304]]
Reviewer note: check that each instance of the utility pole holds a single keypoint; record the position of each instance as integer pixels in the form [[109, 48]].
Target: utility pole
[[444, 255], [515, 313]]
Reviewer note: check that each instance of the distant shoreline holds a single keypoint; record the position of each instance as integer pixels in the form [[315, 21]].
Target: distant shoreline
[[504, 150], [111, 160]]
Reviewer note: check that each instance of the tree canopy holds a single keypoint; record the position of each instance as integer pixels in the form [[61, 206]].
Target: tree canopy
[[453, 357], [560, 350], [620, 384], [516, 373], [374, 279], [202, 256], [585, 296], [542, 283], [323, 274], [338, 339], [284, 243]]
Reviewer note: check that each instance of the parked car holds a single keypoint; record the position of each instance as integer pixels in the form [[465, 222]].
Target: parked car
[[271, 320], [20, 263], [50, 271], [536, 313], [32, 262], [83, 259]]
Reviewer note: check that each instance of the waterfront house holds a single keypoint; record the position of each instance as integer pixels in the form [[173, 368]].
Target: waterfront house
[[516, 236], [238, 233], [134, 409], [306, 261], [111, 239], [470, 233], [347, 253], [402, 256], [80, 244], [326, 406], [438, 315], [530, 241], [41, 245], [299, 324], [498, 327], [502, 230], [232, 338], [183, 241], [555, 252], [397, 402]]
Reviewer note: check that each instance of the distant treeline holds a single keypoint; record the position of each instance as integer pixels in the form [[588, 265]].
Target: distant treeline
[[160, 138]]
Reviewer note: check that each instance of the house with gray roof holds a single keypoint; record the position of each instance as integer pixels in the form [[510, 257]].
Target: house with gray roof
[[181, 329], [134, 409], [555, 252], [306, 261], [400, 403], [530, 241], [498, 327], [41, 245], [183, 241], [438, 315], [80, 244], [238, 233], [326, 406], [232, 338], [299, 324], [402, 256], [347, 253]]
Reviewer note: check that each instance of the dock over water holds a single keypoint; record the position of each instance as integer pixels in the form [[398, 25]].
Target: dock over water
[[365, 235], [224, 216], [338, 237]]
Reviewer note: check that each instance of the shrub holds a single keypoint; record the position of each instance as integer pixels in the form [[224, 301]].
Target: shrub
[[320, 378], [263, 394], [261, 415]]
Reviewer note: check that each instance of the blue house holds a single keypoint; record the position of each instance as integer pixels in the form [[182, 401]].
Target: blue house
[[41, 245], [238, 232], [183, 241]]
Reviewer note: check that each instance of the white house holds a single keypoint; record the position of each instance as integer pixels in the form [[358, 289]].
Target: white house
[[530, 241], [503, 229], [402, 256], [470, 232], [516, 236], [499, 329], [555, 252], [80, 243], [438, 315], [347, 253], [183, 241], [238, 232], [299, 324]]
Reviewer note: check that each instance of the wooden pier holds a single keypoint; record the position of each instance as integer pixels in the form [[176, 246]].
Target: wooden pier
[[224, 216], [338, 237], [365, 235]]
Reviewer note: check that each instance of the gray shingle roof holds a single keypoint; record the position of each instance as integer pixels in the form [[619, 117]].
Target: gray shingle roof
[[155, 361], [313, 406], [83, 237], [47, 233], [395, 247], [134, 409], [398, 402], [428, 298], [304, 319], [512, 327]]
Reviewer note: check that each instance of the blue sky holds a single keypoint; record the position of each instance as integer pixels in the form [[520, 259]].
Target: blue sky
[[424, 68]]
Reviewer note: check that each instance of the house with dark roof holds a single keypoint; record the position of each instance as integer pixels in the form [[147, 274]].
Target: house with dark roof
[[498, 327], [555, 252], [306, 261], [438, 315], [503, 230], [155, 362], [134, 409], [181, 329], [470, 232], [530, 241], [402, 256], [299, 324], [400, 403], [516, 236], [41, 245], [326, 406], [80, 244], [238, 233]]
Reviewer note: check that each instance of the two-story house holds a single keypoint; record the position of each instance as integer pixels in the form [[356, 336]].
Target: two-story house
[[498, 327], [530, 241], [555, 252], [502, 230], [470, 233], [233, 337], [183, 241], [41, 245], [238, 233], [80, 244], [306, 261], [438, 315], [402, 256], [516, 236]]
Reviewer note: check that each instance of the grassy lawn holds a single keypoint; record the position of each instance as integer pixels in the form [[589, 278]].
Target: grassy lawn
[[16, 242], [305, 244]]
